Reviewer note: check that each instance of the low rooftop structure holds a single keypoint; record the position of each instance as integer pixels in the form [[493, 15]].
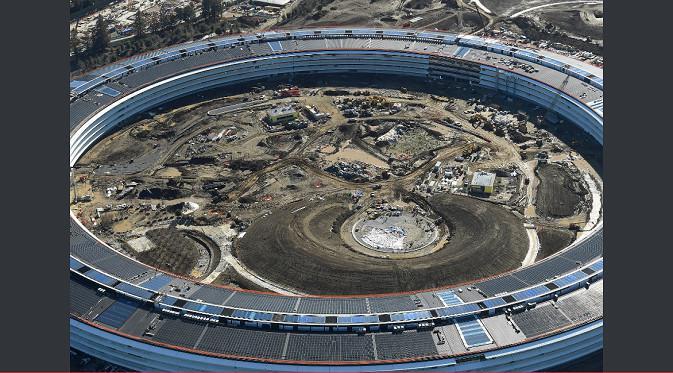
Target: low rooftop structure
[[482, 182], [281, 114]]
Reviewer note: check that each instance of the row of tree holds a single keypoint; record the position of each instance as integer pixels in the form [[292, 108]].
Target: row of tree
[[99, 39], [154, 30], [211, 10], [77, 5]]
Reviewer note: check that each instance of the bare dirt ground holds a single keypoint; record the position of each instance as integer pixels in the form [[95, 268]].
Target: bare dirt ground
[[274, 184], [487, 240], [559, 193], [434, 14], [120, 147], [552, 240], [581, 21], [174, 252], [502, 7], [232, 278], [574, 26], [574, 22], [260, 179]]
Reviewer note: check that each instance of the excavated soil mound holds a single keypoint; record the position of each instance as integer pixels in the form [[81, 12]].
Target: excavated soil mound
[[297, 246]]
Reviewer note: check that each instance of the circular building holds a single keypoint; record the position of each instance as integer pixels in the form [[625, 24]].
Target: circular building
[[141, 318]]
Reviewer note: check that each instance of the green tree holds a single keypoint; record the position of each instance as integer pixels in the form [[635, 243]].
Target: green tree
[[75, 44], [212, 10], [139, 25], [166, 16], [186, 13], [154, 23], [205, 9], [100, 38], [217, 9]]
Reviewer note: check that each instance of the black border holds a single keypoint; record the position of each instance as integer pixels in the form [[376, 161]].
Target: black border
[[638, 143], [34, 227]]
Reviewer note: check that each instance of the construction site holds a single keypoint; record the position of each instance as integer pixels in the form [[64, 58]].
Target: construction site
[[341, 185]]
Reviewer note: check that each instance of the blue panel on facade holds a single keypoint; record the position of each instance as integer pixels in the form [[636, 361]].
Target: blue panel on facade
[[410, 316], [171, 54], [577, 71], [194, 306], [117, 314], [76, 83], [444, 311], [428, 35], [371, 319], [241, 314], [168, 300], [418, 315], [75, 264], [397, 317], [263, 316], [450, 298], [461, 309], [140, 63], [100, 277], [128, 288], [156, 282], [275, 46], [291, 318], [344, 320], [473, 332], [568, 279], [461, 52], [196, 48], [530, 293], [524, 53], [597, 266], [495, 302], [108, 91], [310, 319], [215, 310]]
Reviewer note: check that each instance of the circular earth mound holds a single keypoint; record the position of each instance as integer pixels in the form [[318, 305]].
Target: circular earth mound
[[299, 247], [399, 233]]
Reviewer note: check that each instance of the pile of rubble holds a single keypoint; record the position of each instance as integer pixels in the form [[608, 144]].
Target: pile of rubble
[[287, 92], [392, 135], [366, 107], [515, 64], [117, 190], [501, 122], [316, 115], [353, 171], [194, 149]]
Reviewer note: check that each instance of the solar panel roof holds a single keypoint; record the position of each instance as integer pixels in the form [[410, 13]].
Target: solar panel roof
[[117, 314], [473, 333], [100, 277]]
